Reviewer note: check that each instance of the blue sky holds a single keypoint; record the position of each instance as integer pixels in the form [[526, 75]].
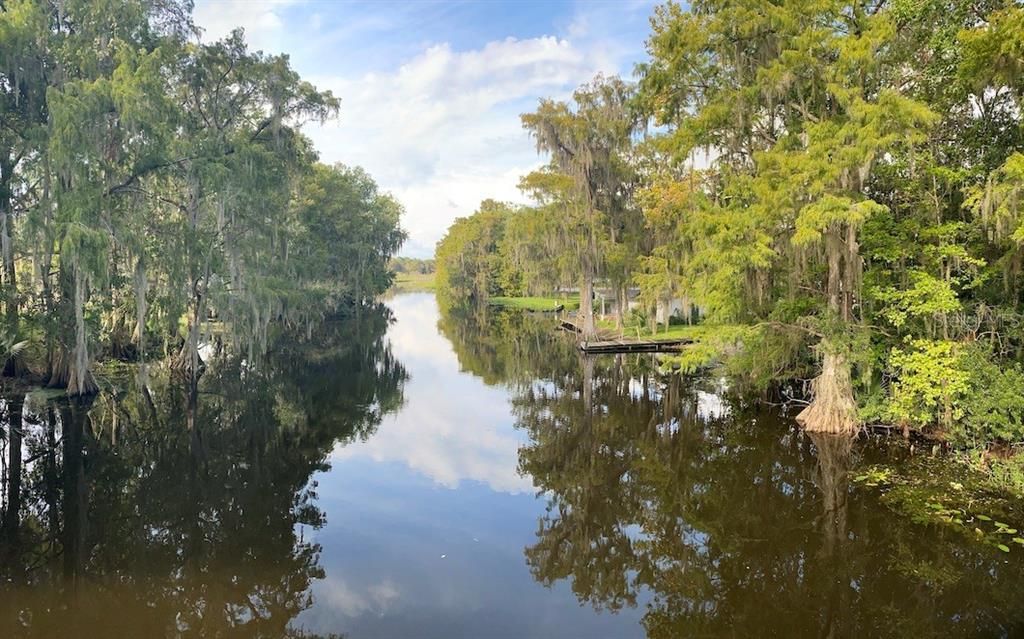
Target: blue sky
[[432, 91]]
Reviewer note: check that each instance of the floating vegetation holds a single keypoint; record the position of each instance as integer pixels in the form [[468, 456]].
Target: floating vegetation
[[945, 493]]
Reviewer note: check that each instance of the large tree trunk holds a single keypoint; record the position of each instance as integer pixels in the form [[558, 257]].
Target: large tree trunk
[[188, 360], [69, 365], [833, 408]]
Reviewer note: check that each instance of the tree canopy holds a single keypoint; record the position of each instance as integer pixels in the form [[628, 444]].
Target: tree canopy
[[836, 186], [152, 182]]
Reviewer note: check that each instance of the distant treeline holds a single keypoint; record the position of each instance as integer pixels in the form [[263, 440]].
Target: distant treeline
[[837, 184], [151, 182], [411, 265]]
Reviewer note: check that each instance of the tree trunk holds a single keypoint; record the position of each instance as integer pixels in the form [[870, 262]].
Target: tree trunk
[[10, 280], [44, 249], [7, 254], [833, 408], [588, 327], [188, 360], [6, 244], [80, 379], [620, 307], [141, 286]]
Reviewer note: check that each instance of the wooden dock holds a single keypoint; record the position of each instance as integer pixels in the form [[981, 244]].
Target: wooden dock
[[568, 325], [623, 344], [635, 346]]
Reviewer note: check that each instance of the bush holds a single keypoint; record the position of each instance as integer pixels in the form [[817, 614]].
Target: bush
[[931, 383], [994, 405]]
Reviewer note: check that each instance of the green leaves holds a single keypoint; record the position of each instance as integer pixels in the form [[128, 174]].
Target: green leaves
[[925, 296], [831, 211], [158, 179], [931, 382]]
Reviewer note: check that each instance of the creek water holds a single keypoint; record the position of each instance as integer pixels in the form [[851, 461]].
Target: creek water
[[424, 472]]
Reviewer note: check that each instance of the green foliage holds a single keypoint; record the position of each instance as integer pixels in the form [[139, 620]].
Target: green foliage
[[1008, 474], [931, 383], [841, 183], [470, 261], [411, 265], [953, 494], [994, 404], [149, 180]]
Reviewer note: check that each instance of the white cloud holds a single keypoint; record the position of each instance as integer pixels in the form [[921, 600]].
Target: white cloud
[[444, 126], [263, 21], [450, 442], [339, 596], [439, 124]]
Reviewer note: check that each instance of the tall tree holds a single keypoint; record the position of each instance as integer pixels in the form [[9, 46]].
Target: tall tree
[[800, 106], [586, 141]]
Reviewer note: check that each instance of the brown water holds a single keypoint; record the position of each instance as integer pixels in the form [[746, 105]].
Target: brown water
[[463, 475]]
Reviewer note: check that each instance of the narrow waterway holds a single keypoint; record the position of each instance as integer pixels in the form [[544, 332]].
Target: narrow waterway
[[426, 472]]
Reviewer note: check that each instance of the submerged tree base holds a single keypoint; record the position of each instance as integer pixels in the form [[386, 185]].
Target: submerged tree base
[[64, 374], [833, 409]]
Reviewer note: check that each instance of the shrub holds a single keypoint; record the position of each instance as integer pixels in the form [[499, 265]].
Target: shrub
[[993, 407]]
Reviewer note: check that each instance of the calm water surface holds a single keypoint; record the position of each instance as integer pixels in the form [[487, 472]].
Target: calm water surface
[[450, 474]]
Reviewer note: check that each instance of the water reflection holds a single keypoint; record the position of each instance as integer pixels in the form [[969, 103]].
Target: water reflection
[[718, 520], [452, 429], [735, 525], [179, 510], [427, 520], [386, 479]]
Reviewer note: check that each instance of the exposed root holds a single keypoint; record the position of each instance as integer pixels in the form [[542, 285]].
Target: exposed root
[[64, 374], [833, 409], [187, 364]]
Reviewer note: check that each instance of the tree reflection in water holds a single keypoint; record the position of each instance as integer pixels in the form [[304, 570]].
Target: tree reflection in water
[[734, 523], [182, 509], [720, 520]]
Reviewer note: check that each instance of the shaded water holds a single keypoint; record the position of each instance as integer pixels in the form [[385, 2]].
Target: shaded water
[[457, 475]]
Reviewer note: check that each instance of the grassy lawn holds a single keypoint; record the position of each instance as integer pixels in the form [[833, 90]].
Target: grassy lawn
[[536, 303], [679, 331], [414, 282]]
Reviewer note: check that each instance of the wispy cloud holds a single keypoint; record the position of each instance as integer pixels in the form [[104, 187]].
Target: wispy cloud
[[444, 127]]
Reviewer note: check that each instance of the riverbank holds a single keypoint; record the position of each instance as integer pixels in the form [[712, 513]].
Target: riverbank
[[537, 304], [414, 282]]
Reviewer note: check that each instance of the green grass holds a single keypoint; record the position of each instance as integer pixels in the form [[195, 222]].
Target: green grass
[[414, 282], [536, 303], [678, 331]]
